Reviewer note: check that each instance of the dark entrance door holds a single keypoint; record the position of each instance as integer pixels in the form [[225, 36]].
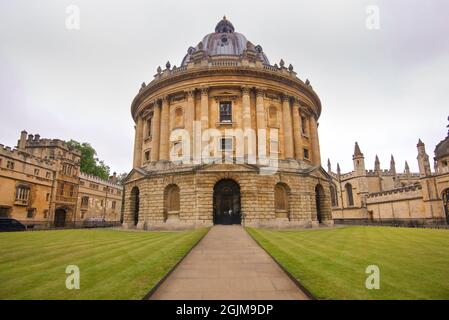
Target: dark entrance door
[[446, 204], [60, 215], [227, 202]]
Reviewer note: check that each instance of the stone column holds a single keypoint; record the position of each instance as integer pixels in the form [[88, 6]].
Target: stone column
[[190, 117], [204, 108], [164, 143], [138, 141], [316, 157], [287, 122], [246, 114], [246, 122], [155, 132], [204, 118], [261, 122], [297, 130]]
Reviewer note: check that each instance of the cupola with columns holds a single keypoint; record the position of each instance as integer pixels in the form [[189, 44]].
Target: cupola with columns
[[226, 82]]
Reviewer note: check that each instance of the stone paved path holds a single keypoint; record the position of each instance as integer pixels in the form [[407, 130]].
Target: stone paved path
[[228, 264]]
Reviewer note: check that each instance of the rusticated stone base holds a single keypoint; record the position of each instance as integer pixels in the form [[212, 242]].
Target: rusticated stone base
[[257, 198]]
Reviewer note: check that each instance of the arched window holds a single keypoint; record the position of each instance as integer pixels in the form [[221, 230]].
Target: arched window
[[445, 197], [349, 195], [135, 205], [280, 197], [272, 116], [320, 201], [179, 118], [172, 198], [334, 199]]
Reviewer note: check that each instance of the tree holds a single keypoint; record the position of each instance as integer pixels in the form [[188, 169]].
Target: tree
[[89, 163]]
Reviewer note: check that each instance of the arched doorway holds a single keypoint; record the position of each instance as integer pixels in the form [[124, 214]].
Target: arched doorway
[[60, 216], [319, 199], [135, 205], [227, 202], [446, 204]]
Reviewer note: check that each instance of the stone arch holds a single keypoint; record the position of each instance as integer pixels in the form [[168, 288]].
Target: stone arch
[[60, 217], [281, 200], [334, 197], [134, 204], [172, 202], [227, 202], [349, 195], [320, 200], [445, 197]]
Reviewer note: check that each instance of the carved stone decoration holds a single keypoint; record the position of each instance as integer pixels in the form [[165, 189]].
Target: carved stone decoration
[[168, 65], [290, 67], [200, 46], [245, 90], [260, 92], [282, 63], [307, 82], [258, 48], [205, 90]]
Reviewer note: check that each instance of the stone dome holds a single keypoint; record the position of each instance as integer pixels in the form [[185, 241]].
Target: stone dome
[[225, 42]]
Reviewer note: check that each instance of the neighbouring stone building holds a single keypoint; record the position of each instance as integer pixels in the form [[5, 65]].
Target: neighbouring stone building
[[225, 138], [390, 197], [41, 185]]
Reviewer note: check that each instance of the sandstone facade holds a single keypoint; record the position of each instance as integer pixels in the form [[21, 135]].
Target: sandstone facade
[[41, 185], [226, 119], [386, 196]]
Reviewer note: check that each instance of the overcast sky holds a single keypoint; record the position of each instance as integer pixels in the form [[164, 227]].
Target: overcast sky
[[384, 88]]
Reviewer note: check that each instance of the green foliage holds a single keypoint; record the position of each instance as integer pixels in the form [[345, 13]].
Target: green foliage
[[89, 163]]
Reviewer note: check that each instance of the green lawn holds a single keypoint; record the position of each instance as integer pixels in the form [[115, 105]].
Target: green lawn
[[331, 263], [113, 264]]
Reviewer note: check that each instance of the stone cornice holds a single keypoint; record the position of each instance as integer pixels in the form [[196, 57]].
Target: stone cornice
[[202, 72]]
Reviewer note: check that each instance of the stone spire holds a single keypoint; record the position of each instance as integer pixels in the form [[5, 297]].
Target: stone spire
[[423, 160], [357, 152], [392, 165], [377, 164], [329, 166], [359, 160], [407, 168], [338, 169]]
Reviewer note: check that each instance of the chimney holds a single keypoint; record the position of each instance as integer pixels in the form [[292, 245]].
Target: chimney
[[22, 141]]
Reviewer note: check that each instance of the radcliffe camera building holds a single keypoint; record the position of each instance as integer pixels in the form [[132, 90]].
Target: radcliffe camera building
[[224, 138]]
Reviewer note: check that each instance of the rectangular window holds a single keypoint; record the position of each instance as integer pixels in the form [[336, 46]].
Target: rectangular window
[[36, 172], [113, 204], [48, 175], [147, 155], [304, 125], [47, 197], [85, 201], [22, 193], [102, 202], [61, 191], [30, 213], [226, 144], [149, 127], [225, 112], [10, 165], [306, 154]]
